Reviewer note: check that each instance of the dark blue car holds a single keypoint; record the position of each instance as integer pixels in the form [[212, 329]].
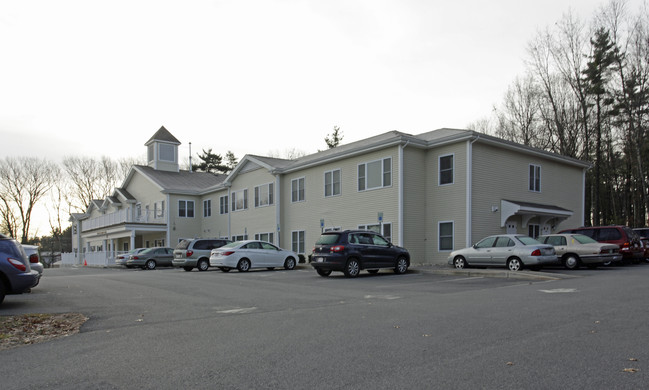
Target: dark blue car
[[351, 251], [16, 276]]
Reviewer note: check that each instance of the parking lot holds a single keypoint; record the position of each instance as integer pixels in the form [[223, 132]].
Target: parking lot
[[293, 329]]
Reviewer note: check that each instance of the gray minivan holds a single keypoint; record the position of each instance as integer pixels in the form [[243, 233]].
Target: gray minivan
[[190, 253]]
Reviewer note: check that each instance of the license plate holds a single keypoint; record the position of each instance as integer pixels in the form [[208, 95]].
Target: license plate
[[319, 260]]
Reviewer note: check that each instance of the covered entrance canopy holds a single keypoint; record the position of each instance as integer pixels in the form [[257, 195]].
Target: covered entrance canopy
[[527, 211]]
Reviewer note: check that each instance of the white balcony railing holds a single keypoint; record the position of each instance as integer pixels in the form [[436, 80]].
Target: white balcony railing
[[124, 216]]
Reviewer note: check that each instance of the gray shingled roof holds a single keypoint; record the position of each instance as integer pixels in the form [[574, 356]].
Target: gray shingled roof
[[163, 135], [181, 181]]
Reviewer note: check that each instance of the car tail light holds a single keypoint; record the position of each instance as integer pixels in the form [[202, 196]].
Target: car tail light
[[537, 252], [189, 253], [18, 264], [135, 257], [626, 244], [33, 258], [228, 253], [337, 248]]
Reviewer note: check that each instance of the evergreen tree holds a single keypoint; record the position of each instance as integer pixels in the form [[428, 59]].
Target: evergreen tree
[[211, 162], [334, 138]]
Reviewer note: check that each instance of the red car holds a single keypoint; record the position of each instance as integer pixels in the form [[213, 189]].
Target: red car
[[631, 247]]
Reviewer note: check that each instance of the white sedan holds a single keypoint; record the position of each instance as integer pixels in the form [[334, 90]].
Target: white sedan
[[244, 255]]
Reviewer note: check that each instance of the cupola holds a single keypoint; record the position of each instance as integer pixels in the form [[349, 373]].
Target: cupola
[[162, 151]]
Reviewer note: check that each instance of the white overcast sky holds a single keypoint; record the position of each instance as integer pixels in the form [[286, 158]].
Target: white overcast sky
[[100, 77]]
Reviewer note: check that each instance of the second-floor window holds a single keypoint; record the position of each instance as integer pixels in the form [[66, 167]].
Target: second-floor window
[[240, 200], [223, 204], [535, 178], [207, 208], [375, 174], [297, 190], [446, 170], [332, 183], [264, 195], [186, 208]]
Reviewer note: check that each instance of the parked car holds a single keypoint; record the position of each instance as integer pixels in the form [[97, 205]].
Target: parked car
[[514, 251], [351, 251], [16, 275], [244, 255], [150, 258], [575, 250], [631, 246], [644, 237], [195, 253], [122, 258], [34, 259]]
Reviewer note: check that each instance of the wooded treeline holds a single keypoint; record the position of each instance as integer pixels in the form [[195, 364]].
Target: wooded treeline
[[585, 95]]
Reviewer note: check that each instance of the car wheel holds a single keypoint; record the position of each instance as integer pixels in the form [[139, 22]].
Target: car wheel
[[571, 262], [352, 269], [244, 265], [188, 268], [459, 262], [402, 266], [323, 272], [289, 263], [514, 264], [203, 265], [373, 271], [150, 265], [224, 269]]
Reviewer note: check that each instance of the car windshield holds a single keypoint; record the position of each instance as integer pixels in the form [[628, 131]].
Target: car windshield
[[525, 240], [580, 238], [327, 239]]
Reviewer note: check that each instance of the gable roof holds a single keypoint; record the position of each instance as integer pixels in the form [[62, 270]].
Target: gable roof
[[182, 182], [163, 135]]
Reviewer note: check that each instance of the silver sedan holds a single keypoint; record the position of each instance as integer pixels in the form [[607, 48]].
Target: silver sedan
[[513, 251], [244, 255]]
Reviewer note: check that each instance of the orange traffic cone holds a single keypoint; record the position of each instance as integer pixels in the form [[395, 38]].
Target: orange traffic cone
[[85, 263]]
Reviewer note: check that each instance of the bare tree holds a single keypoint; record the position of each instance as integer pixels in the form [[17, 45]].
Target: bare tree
[[23, 183], [91, 179]]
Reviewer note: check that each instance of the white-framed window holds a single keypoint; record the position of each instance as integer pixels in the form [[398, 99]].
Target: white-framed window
[[125, 246], [186, 208], [297, 190], [297, 241], [239, 200], [159, 209], [160, 242], [332, 183], [446, 169], [384, 229], [445, 237], [223, 204], [534, 230], [264, 195], [535, 178], [268, 237], [239, 237], [207, 208], [375, 174], [332, 229], [138, 211], [167, 152]]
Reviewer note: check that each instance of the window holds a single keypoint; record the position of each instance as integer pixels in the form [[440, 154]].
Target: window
[[533, 230], [297, 241], [264, 195], [207, 208], [240, 237], [240, 200], [223, 204], [158, 209], [384, 229], [167, 153], [149, 153], [446, 170], [375, 174], [268, 237], [446, 236], [535, 178], [297, 190], [332, 183], [186, 208]]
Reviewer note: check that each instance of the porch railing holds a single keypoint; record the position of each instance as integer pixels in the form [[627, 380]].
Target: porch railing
[[96, 259], [124, 216]]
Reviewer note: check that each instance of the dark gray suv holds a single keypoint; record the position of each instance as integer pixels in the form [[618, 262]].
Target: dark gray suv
[[351, 251], [16, 275], [195, 253]]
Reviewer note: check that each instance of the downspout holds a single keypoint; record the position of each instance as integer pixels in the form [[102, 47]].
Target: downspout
[[400, 194], [278, 210], [168, 224], [229, 204], [469, 190]]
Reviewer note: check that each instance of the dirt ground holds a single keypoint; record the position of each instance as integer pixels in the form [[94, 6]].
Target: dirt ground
[[16, 331]]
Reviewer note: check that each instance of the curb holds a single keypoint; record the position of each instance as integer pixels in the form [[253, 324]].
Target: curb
[[492, 273]]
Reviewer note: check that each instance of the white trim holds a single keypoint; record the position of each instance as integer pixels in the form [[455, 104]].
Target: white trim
[[278, 210], [400, 196], [439, 169], [366, 177], [439, 241], [297, 179], [324, 179]]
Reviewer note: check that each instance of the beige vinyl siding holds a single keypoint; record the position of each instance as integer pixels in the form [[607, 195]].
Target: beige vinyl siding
[[186, 227], [349, 209], [217, 224], [500, 173], [415, 182], [254, 219], [446, 203]]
